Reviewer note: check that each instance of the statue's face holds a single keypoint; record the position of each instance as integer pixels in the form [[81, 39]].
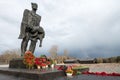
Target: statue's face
[[34, 6]]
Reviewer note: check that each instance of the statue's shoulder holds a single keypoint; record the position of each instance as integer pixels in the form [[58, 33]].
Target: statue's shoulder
[[26, 11], [26, 15]]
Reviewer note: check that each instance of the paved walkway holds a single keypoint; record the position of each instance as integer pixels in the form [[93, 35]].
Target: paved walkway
[[93, 67], [80, 77], [90, 77]]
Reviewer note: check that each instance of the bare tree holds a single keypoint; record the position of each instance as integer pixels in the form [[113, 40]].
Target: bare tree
[[7, 55], [53, 51], [99, 60], [66, 53], [118, 59]]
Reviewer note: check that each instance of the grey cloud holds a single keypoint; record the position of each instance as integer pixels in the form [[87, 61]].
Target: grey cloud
[[85, 27]]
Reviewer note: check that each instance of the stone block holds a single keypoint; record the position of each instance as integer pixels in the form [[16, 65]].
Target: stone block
[[17, 63]]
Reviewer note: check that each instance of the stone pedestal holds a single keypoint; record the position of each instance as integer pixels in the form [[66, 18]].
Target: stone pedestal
[[18, 69], [33, 74], [17, 63]]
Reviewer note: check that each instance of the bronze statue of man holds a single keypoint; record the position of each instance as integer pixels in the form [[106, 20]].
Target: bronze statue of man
[[30, 29]]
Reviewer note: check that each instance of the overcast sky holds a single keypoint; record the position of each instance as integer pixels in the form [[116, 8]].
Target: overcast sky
[[86, 28]]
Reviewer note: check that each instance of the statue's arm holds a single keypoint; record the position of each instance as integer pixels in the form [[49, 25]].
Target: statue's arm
[[39, 20], [25, 17], [41, 30], [24, 24], [37, 23]]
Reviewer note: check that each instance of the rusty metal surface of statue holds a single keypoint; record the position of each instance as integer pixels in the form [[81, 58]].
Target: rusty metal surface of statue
[[31, 29]]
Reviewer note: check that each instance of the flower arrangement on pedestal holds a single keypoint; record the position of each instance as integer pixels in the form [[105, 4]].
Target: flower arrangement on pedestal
[[38, 62], [53, 63], [42, 62], [29, 59], [69, 71]]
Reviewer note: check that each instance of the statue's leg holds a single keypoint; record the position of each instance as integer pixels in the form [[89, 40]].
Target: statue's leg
[[41, 38], [24, 45], [32, 46], [40, 43]]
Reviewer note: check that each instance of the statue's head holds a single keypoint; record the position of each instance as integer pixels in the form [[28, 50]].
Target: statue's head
[[34, 6]]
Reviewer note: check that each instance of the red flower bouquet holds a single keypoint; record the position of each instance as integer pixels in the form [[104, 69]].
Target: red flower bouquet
[[42, 62], [38, 61], [29, 59]]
